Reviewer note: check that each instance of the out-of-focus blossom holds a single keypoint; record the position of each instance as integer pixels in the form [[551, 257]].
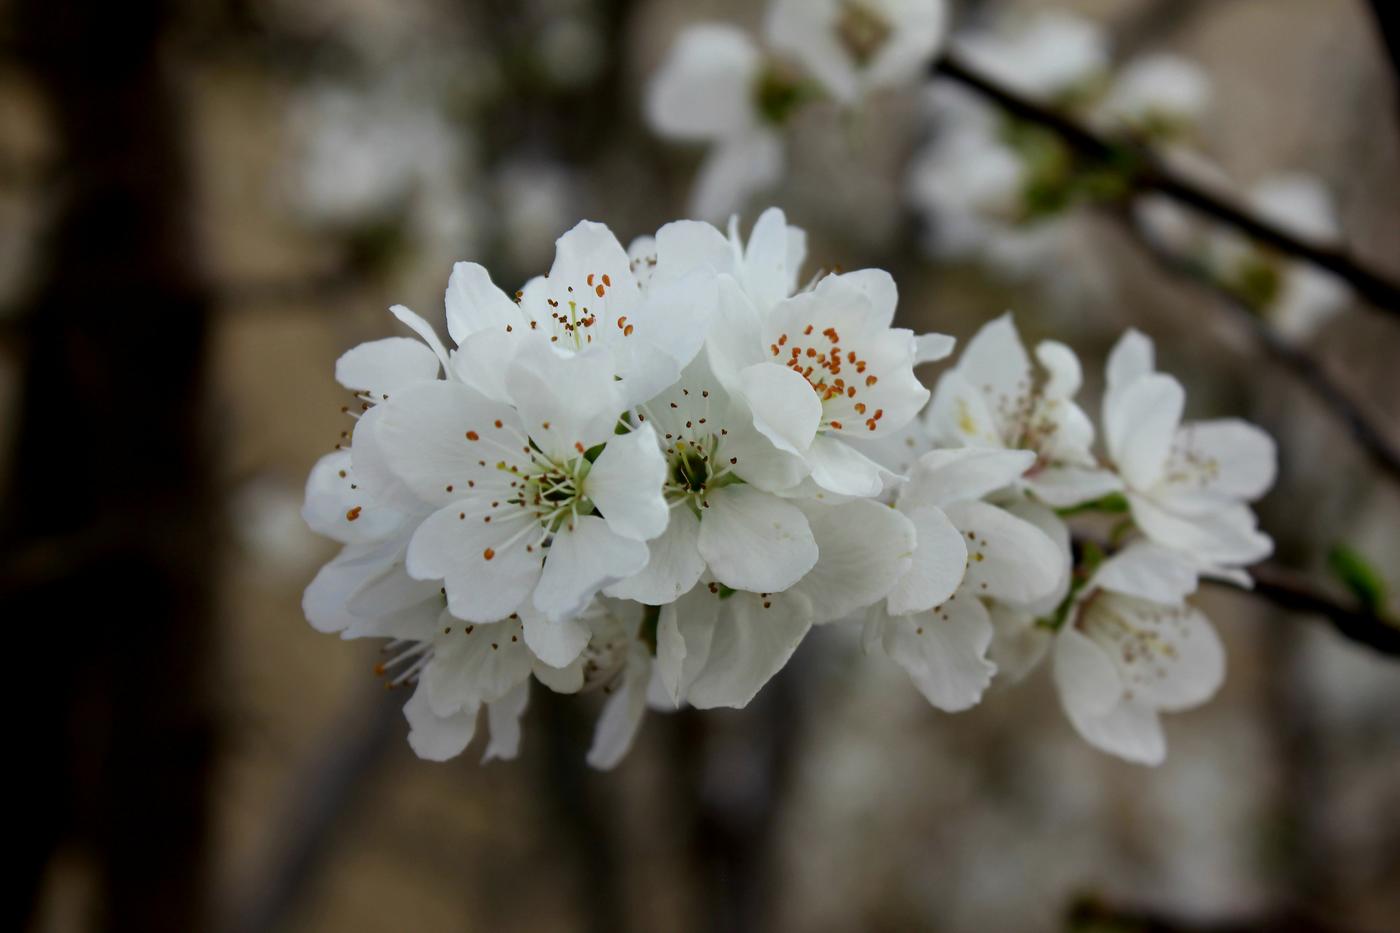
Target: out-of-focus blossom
[[717, 87], [1159, 96], [854, 47], [1048, 55]]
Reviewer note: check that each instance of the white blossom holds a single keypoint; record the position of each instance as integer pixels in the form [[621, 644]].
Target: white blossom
[[1131, 648], [1047, 55], [854, 47], [995, 398], [1188, 484], [717, 87], [1158, 95], [934, 623], [654, 471]]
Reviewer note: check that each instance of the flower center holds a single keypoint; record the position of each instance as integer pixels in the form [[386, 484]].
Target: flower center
[[571, 318], [862, 31], [840, 376]]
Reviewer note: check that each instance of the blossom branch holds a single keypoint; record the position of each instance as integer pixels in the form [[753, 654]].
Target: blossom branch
[[1303, 365], [1291, 590], [1146, 172]]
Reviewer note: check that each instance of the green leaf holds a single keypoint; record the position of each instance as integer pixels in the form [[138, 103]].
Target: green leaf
[[1115, 503], [1359, 576]]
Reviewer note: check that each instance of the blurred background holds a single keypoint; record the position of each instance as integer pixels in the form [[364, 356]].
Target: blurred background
[[203, 204]]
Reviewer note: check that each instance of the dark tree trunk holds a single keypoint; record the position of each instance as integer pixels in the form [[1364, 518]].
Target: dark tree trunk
[[106, 536]]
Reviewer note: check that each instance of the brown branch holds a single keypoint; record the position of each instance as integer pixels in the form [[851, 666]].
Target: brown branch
[[1291, 590], [1147, 172]]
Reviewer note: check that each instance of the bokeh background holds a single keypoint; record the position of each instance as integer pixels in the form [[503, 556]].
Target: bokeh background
[[203, 204]]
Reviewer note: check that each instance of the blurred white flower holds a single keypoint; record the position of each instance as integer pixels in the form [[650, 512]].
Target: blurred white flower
[[1297, 297], [1049, 55], [366, 157], [717, 87], [854, 47], [1159, 95]]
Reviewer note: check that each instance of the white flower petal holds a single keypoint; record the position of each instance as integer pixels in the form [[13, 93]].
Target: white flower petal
[[1008, 557], [1088, 682], [683, 246], [1132, 357], [433, 737], [838, 467], [474, 664], [752, 641], [625, 484], [684, 633], [381, 367], [503, 719], [485, 578], [942, 477], [1141, 427], [673, 567], [575, 396], [785, 409], [1227, 535], [325, 600], [336, 508], [930, 348], [940, 560], [1148, 571], [995, 362], [557, 643], [755, 541], [1239, 460], [622, 715], [1059, 361], [1065, 487], [1018, 644], [945, 652], [582, 560], [425, 435], [475, 304], [1129, 730], [1168, 657], [424, 330], [961, 415], [864, 549]]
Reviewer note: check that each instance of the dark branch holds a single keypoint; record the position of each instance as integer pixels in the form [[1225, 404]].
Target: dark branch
[[1291, 590], [1148, 173]]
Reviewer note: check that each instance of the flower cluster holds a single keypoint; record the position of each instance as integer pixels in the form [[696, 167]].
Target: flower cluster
[[652, 471]]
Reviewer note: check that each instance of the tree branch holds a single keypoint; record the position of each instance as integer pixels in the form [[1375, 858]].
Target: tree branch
[[1149, 173], [1291, 590]]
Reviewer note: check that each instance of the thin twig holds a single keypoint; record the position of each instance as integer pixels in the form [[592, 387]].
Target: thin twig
[[1303, 365], [1149, 173], [1291, 590]]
